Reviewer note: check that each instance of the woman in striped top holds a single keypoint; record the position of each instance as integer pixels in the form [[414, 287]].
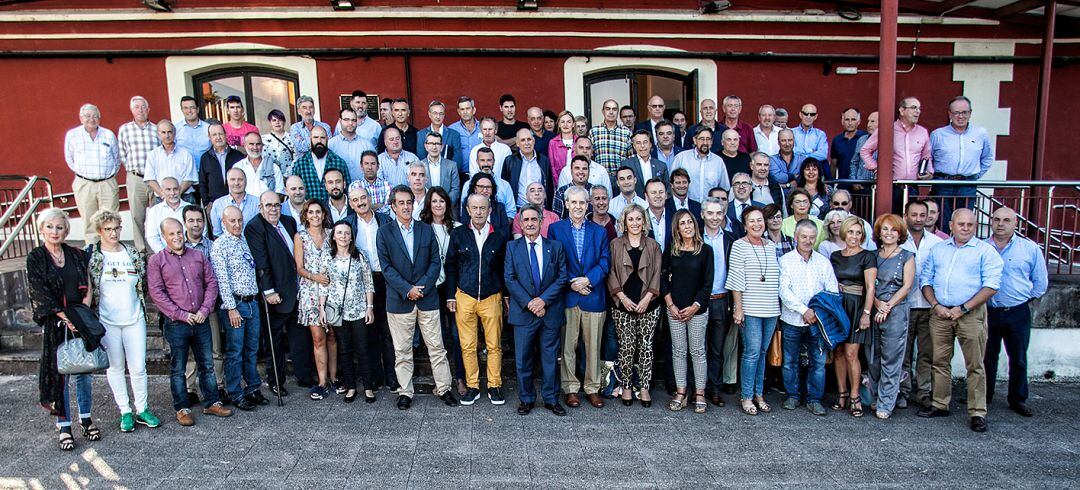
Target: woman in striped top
[[755, 286]]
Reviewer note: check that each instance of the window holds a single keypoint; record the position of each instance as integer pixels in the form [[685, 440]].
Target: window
[[261, 90], [634, 87]]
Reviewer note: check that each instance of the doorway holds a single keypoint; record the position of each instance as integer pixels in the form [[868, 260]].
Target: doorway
[[634, 87]]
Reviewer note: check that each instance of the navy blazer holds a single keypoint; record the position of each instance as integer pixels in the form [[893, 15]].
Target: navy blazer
[[594, 263], [647, 126], [275, 267], [211, 183], [401, 274], [517, 273], [736, 221], [511, 173], [451, 144], [692, 205], [659, 170], [669, 215]]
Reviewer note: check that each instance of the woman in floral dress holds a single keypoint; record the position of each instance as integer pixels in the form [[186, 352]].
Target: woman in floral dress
[[311, 246]]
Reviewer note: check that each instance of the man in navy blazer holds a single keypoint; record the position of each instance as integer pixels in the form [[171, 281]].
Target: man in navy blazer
[[535, 275], [410, 259], [742, 190], [659, 215], [211, 176], [643, 161], [525, 166], [270, 238], [587, 264]]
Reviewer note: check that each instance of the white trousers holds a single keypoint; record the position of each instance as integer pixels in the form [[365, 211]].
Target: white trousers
[[126, 347]]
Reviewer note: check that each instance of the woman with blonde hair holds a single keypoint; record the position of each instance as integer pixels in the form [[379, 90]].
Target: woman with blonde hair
[[561, 148], [856, 272]]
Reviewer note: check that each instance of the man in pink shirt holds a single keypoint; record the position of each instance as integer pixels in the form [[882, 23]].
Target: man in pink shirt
[[911, 146]]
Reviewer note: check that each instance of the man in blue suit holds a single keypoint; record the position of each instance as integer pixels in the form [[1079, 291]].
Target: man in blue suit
[[409, 255], [587, 264], [535, 274]]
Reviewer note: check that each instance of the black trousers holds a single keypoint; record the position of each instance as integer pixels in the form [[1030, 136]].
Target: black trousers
[[380, 343], [715, 335], [301, 349], [352, 353], [1011, 326]]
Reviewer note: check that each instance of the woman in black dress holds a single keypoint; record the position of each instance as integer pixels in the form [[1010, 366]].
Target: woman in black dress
[[856, 271], [58, 275]]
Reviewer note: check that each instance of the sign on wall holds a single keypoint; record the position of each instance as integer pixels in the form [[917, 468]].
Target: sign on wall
[[372, 104]]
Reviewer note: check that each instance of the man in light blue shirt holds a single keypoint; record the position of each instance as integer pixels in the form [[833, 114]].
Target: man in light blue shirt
[[959, 276], [366, 128], [810, 142], [1009, 315], [962, 152], [347, 144], [468, 127], [248, 204], [300, 132], [192, 134]]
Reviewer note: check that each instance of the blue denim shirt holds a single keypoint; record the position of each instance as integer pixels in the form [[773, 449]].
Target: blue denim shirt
[[1024, 277], [958, 273], [966, 153]]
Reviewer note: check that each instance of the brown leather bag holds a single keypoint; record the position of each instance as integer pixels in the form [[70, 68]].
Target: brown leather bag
[[776, 350]]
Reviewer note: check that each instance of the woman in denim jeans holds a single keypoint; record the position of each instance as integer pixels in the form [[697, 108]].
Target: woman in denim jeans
[[755, 285], [57, 275]]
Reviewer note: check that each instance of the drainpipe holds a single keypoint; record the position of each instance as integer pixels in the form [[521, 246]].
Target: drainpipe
[[1050, 12], [886, 106]]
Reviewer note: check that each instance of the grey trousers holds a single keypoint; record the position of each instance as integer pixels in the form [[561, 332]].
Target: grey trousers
[[689, 336], [918, 343], [887, 363]]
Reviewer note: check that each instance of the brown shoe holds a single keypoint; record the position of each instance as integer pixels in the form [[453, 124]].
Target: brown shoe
[[716, 399], [595, 400], [184, 417], [217, 409], [572, 400]]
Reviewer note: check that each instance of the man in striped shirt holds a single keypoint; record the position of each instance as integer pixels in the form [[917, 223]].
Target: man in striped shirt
[[91, 153], [137, 139]]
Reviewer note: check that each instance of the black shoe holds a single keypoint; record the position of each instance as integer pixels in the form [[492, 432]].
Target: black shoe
[[978, 424], [279, 390], [244, 404], [729, 389], [449, 399], [496, 397], [471, 395], [193, 399], [646, 403], [257, 398], [933, 413], [350, 398], [555, 409], [626, 402], [1022, 409], [305, 383], [525, 408], [403, 402], [223, 397], [370, 399], [339, 387]]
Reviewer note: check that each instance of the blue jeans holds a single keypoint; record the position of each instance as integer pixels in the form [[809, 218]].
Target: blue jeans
[[84, 384], [952, 197], [796, 337], [757, 333], [182, 337], [241, 345]]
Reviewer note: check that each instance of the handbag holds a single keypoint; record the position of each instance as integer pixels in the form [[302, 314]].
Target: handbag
[[776, 350], [335, 314], [72, 357]]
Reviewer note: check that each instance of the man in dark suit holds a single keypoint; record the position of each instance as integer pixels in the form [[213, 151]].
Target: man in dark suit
[[716, 331], [656, 109], [336, 202], [680, 193], [741, 198], [450, 148], [410, 260], [644, 165], [526, 166], [366, 223], [535, 275], [658, 214], [270, 238], [587, 265], [214, 164]]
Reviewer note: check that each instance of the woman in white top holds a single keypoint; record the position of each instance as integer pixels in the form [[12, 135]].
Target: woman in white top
[[439, 214], [116, 279], [352, 293], [277, 145], [833, 242], [755, 288]]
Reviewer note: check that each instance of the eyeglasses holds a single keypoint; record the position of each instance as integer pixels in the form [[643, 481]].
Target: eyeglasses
[[808, 114], [960, 113], [112, 229], [913, 107], [656, 106], [745, 183], [777, 216], [272, 205], [840, 203]]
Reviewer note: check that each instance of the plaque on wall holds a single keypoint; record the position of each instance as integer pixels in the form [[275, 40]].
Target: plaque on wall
[[372, 104]]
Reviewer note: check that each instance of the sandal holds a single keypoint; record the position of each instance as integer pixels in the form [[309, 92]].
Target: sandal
[[67, 442], [841, 401], [856, 407], [699, 404], [749, 408], [761, 405], [678, 403], [91, 432]]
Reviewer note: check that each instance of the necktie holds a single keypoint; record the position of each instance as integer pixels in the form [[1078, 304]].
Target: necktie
[[535, 263], [284, 238]]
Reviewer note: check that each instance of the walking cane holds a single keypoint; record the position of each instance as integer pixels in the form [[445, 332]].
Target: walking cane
[[273, 355]]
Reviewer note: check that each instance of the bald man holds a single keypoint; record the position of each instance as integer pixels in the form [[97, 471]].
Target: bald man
[[810, 141], [169, 160], [1009, 314], [656, 107], [236, 180], [295, 195], [535, 119]]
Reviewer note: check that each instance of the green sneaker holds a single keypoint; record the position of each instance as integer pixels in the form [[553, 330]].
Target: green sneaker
[[127, 422], [147, 418]]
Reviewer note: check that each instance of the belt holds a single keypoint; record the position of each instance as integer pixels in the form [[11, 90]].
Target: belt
[[95, 180], [1007, 308], [943, 176], [244, 299], [718, 296], [856, 290], [137, 174]]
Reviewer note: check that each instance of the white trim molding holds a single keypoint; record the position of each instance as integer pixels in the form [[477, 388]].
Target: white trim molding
[[179, 71], [576, 68], [982, 84]]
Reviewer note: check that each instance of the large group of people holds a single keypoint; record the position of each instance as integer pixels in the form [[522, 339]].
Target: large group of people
[[711, 251]]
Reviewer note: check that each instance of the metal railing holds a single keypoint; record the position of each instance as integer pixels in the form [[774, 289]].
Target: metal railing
[[21, 197], [1048, 212]]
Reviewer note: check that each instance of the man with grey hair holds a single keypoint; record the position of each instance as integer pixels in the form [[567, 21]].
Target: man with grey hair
[[841, 199], [91, 153], [300, 132], [169, 160], [781, 118], [732, 107], [803, 274], [171, 206], [137, 138], [765, 132], [450, 148], [488, 140]]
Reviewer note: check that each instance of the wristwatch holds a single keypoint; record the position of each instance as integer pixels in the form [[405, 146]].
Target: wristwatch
[[964, 309]]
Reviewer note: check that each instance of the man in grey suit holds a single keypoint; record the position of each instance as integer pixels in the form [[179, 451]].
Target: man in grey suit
[[441, 172], [409, 255], [643, 164]]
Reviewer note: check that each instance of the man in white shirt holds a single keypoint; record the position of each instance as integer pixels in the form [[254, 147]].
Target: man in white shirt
[[261, 174], [919, 242], [803, 274], [765, 133], [706, 169], [169, 160], [656, 194], [642, 163], [597, 174], [170, 207], [488, 140], [336, 201], [418, 185], [91, 153], [627, 182]]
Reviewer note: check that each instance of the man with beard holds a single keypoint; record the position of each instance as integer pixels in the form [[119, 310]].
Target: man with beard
[[312, 166], [336, 202], [705, 168], [261, 174], [499, 149]]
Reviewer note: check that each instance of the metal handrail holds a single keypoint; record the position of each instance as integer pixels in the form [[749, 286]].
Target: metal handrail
[[30, 215], [27, 189]]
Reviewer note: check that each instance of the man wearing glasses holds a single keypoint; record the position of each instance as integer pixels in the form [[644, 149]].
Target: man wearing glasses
[[656, 116], [961, 152], [911, 146], [810, 142]]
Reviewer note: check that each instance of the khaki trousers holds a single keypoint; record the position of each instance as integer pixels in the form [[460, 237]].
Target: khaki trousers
[[138, 200], [589, 327], [487, 313], [402, 327], [970, 331], [219, 357], [90, 197]]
